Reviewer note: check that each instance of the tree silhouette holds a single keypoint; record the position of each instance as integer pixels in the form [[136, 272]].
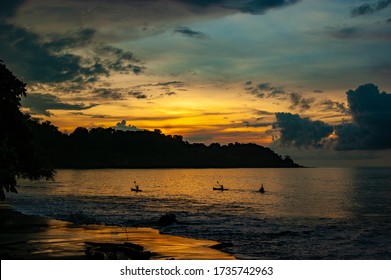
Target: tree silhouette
[[18, 155], [109, 148]]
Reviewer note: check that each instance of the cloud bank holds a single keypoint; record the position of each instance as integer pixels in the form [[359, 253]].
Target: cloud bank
[[40, 59], [266, 90], [370, 128], [301, 132], [8, 8], [367, 9], [41, 104], [371, 115]]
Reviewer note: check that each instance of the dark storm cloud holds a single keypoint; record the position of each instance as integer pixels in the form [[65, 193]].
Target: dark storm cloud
[[368, 104], [116, 20], [203, 3], [37, 60], [9, 7], [371, 115], [244, 6], [257, 7], [154, 11], [168, 88], [366, 9], [301, 132], [273, 90], [186, 31], [24, 52], [298, 101], [349, 137], [267, 90], [41, 104], [263, 90], [264, 86], [118, 60], [370, 128], [335, 106], [72, 39]]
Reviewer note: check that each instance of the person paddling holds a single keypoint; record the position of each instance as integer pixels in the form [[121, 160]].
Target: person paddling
[[262, 189], [137, 188], [221, 186]]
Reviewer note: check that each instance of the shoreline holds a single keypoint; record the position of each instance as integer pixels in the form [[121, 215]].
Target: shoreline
[[32, 237]]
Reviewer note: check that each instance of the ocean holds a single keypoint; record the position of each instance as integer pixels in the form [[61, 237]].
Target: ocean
[[305, 213]]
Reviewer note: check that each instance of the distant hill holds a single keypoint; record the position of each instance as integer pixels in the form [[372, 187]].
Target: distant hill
[[109, 148]]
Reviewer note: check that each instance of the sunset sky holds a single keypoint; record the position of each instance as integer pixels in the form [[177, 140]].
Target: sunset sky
[[275, 72]]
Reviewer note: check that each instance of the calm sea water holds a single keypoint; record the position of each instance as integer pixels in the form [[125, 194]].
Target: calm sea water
[[320, 213]]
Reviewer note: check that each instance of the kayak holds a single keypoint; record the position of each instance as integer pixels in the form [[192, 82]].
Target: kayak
[[220, 189], [136, 190]]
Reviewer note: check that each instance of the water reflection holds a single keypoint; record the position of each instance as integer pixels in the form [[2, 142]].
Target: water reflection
[[325, 193], [344, 213], [371, 190]]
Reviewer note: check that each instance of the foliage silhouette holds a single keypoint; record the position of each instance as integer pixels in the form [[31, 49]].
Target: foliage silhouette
[[19, 157], [110, 148]]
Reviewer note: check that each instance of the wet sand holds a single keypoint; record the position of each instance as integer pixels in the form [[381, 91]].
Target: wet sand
[[33, 237]]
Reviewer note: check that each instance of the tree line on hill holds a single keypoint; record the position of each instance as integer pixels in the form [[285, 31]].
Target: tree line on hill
[[110, 148]]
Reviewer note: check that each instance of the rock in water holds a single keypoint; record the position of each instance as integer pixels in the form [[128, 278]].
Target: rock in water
[[113, 251], [166, 220]]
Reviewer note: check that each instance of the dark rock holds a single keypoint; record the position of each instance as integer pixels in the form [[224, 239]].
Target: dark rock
[[134, 246], [112, 251], [166, 220]]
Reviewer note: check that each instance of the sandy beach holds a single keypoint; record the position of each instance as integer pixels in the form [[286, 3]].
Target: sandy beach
[[33, 237]]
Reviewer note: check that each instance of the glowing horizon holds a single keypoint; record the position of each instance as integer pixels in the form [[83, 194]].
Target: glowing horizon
[[211, 71]]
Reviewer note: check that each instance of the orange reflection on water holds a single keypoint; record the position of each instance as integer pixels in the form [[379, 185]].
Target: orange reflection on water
[[63, 241]]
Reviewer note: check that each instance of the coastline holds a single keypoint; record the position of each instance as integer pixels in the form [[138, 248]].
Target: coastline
[[28, 237]]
